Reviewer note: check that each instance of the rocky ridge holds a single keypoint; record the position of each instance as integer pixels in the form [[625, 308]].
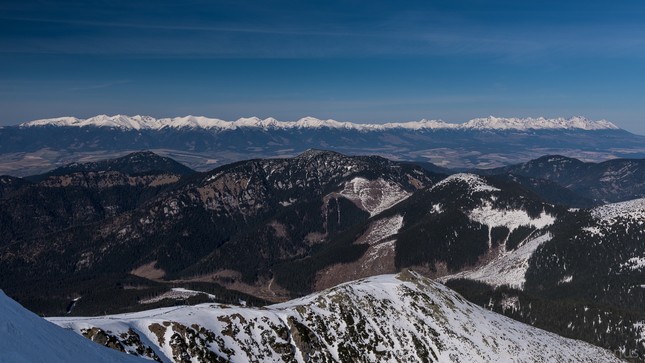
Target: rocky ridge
[[388, 318]]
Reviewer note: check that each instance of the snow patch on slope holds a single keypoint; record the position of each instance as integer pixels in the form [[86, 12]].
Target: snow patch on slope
[[475, 182], [378, 251], [632, 209], [594, 231], [634, 263], [509, 268], [510, 219], [177, 293], [382, 229], [373, 196]]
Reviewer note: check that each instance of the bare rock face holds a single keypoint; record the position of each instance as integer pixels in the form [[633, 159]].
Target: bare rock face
[[127, 342], [304, 339], [26, 337], [97, 335]]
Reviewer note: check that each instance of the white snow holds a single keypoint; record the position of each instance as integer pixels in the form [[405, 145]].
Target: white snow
[[634, 263], [382, 229], [490, 123], [594, 231], [177, 293], [476, 183], [641, 328], [632, 209], [378, 251], [508, 268], [437, 208], [576, 122], [374, 196], [510, 219], [287, 203], [26, 337]]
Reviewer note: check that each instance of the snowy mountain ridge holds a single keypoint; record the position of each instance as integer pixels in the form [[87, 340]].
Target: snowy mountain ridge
[[200, 122], [475, 183], [387, 318], [631, 209]]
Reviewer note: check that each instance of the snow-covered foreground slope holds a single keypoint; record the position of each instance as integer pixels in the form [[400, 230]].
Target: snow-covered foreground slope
[[489, 123], [25, 337], [387, 318], [631, 210]]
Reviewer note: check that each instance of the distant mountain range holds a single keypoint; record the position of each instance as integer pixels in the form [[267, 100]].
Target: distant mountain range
[[203, 143], [192, 122]]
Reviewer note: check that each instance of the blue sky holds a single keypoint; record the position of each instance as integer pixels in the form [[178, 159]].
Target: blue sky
[[357, 61]]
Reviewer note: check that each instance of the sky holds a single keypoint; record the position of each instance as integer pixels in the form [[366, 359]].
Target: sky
[[352, 61]]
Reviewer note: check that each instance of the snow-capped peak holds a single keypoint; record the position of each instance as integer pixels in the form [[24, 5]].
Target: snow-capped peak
[[540, 123], [475, 182], [387, 318], [490, 123]]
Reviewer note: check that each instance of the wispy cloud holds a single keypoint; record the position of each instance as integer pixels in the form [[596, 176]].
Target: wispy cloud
[[513, 36], [102, 85], [233, 29]]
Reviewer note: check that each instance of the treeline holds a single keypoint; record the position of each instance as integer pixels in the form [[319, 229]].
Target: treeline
[[593, 261]]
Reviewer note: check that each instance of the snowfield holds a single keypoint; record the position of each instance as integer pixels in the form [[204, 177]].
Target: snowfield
[[475, 182], [373, 196], [511, 219], [387, 318], [508, 268], [382, 229]]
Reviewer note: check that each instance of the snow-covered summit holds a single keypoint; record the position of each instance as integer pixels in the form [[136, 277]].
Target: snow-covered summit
[[193, 122], [631, 209], [541, 123], [388, 318], [26, 337]]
